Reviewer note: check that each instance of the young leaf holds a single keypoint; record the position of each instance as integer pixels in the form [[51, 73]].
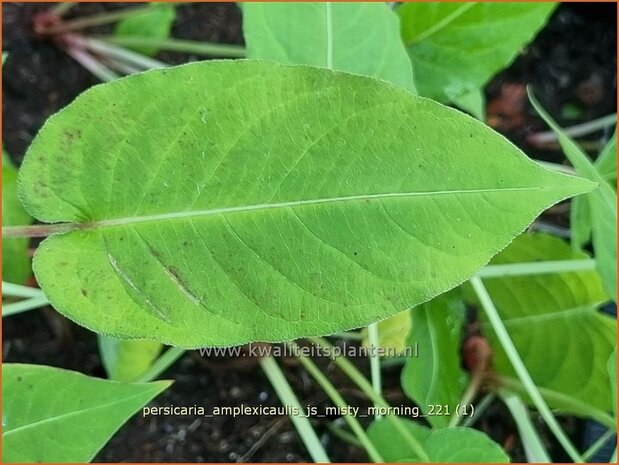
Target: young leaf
[[392, 332], [253, 201], [463, 445], [552, 319], [155, 23], [391, 445], [127, 359], [435, 376], [447, 445], [457, 47], [15, 260], [602, 202], [52, 415], [361, 38]]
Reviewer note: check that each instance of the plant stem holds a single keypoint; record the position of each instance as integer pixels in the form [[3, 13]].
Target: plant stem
[[469, 394], [99, 19], [23, 305], [339, 401], [102, 72], [357, 377], [343, 435], [533, 444], [286, 395], [597, 445], [351, 335], [119, 53], [375, 361], [177, 45], [521, 370], [161, 364], [16, 290], [60, 9], [38, 230], [574, 131], [564, 401], [534, 268], [479, 410]]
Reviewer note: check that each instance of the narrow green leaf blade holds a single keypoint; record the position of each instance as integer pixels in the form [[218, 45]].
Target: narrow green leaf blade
[[457, 47], [602, 203], [127, 359], [552, 319], [155, 23], [52, 415], [606, 163], [360, 38], [435, 377], [15, 260], [463, 445], [279, 202]]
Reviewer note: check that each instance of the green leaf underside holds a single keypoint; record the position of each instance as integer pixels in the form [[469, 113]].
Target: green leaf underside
[[446, 445], [15, 260], [52, 415], [360, 38], [552, 319], [268, 202], [154, 23], [457, 47], [435, 377]]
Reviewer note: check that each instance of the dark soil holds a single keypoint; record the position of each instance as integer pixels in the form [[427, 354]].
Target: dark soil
[[572, 69]]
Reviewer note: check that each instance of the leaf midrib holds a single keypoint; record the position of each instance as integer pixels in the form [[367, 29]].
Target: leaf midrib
[[70, 414], [292, 204]]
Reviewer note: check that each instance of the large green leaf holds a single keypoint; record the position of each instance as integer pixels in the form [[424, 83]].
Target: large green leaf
[[457, 47], [552, 319], [154, 23], [435, 377], [127, 359], [15, 259], [602, 203], [446, 445], [242, 201], [52, 415], [361, 38]]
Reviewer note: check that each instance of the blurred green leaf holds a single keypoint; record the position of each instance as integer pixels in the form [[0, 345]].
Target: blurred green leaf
[[15, 260], [435, 377], [391, 445], [127, 359], [358, 37], [457, 47], [155, 23], [447, 445], [392, 332], [554, 323]]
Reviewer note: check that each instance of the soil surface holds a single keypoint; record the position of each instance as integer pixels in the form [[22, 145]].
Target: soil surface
[[571, 67]]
